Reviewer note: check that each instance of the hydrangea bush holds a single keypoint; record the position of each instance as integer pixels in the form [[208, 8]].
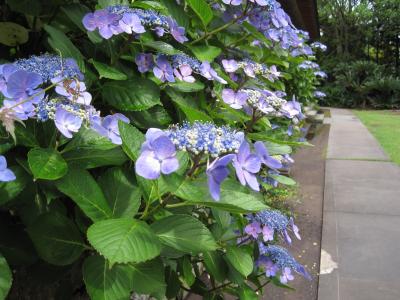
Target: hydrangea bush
[[139, 159]]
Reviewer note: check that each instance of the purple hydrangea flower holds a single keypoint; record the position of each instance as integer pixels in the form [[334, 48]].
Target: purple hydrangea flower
[[106, 22], [270, 268], [286, 275], [217, 171], [261, 2], [130, 23], [230, 65], [22, 111], [66, 122], [253, 229], [235, 100], [264, 156], [72, 89], [184, 73], [163, 70], [247, 165], [6, 174], [177, 31], [108, 126], [144, 62], [292, 109], [158, 155], [22, 85], [209, 73], [5, 72], [268, 233]]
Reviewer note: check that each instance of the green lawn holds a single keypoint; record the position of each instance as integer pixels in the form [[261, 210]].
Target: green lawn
[[385, 126]]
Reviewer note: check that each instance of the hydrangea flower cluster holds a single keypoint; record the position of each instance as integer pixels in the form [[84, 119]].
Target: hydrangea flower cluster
[[268, 222], [180, 66], [276, 258], [251, 69], [22, 83], [6, 174], [118, 19], [320, 46]]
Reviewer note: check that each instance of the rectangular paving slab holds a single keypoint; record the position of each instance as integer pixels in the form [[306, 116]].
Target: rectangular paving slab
[[360, 257]]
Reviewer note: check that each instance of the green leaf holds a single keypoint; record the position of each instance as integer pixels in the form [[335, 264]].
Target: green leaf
[[187, 271], [148, 277], [240, 259], [267, 138], [162, 47], [191, 112], [132, 139], [187, 87], [205, 52], [12, 34], [177, 12], [122, 195], [104, 282], [215, 265], [56, 239], [277, 149], [106, 71], [202, 10], [62, 44], [247, 293], [5, 278], [29, 7], [132, 95], [283, 179], [93, 158], [87, 138], [10, 190], [25, 137], [184, 233], [124, 240], [46, 164], [75, 13], [233, 197], [80, 186]]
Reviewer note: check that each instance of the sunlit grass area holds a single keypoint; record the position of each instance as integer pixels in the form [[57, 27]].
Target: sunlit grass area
[[385, 126]]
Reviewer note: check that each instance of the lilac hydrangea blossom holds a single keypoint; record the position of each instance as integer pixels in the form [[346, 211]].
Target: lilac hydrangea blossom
[[72, 89], [130, 23], [6, 174], [107, 23], [5, 71], [21, 110], [144, 61], [158, 155], [208, 72], [232, 2], [184, 73], [264, 156], [230, 65], [253, 229], [108, 126], [235, 100], [66, 122], [270, 268], [178, 32], [286, 275], [163, 70], [22, 85], [247, 165], [292, 109], [216, 172]]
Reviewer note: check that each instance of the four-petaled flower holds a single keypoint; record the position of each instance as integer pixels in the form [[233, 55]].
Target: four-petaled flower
[[184, 73], [23, 85], [107, 23], [286, 275], [72, 89], [177, 31], [158, 155], [67, 122], [108, 126], [6, 174], [268, 234], [253, 229], [130, 23], [144, 61], [217, 171], [235, 100], [208, 72], [230, 65], [247, 165], [163, 70]]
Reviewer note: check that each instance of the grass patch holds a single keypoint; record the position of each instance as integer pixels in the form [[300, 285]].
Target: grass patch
[[385, 126]]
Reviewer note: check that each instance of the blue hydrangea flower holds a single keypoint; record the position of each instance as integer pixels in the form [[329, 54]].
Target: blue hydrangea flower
[[163, 70], [144, 61], [73, 89], [50, 66], [66, 122], [158, 155], [216, 172], [234, 99], [21, 111], [246, 166], [184, 73], [264, 156], [205, 138], [282, 259], [22, 85], [6, 174], [130, 23], [108, 126], [232, 2], [5, 72], [292, 109]]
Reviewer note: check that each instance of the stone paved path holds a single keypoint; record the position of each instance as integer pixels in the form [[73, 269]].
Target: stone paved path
[[360, 253]]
